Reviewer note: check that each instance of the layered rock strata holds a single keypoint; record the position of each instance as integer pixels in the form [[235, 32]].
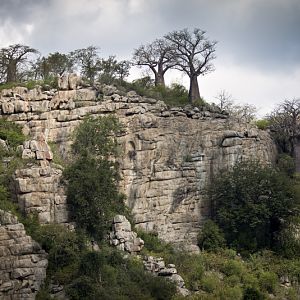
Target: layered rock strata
[[22, 261], [169, 154]]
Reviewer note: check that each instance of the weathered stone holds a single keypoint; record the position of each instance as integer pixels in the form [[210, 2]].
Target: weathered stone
[[73, 81], [8, 108], [167, 160], [63, 82], [23, 267], [230, 142], [123, 237]]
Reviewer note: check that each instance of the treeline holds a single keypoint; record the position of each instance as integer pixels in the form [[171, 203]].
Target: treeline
[[188, 51], [20, 63]]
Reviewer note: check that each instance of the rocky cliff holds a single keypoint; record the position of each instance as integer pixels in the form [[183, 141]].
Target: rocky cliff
[[22, 261], [169, 155]]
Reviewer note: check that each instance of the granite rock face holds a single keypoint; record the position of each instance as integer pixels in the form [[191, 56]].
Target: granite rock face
[[169, 154], [22, 261]]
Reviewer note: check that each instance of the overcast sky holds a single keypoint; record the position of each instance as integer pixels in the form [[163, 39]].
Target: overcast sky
[[258, 50]]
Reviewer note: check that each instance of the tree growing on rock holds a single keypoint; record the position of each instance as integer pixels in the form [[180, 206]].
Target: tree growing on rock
[[194, 54], [52, 65], [87, 61], [92, 191], [12, 58], [110, 69], [285, 124], [157, 56]]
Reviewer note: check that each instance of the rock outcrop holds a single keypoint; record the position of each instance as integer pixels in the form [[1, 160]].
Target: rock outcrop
[[158, 267], [123, 237], [22, 261], [169, 154]]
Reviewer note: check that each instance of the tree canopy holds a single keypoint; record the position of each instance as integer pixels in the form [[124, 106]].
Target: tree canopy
[[92, 189], [251, 203], [11, 60], [157, 56], [194, 53]]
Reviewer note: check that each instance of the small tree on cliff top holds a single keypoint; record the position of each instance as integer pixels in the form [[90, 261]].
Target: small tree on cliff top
[[194, 54], [158, 57]]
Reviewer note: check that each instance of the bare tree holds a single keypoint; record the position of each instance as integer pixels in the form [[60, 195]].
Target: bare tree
[[285, 124], [194, 54], [225, 101], [11, 58], [243, 112], [157, 56]]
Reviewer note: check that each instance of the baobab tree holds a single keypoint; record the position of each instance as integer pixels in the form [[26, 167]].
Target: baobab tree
[[194, 54], [157, 56], [11, 59], [285, 125]]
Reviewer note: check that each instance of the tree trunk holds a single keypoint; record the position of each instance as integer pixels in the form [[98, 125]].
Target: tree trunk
[[194, 93], [159, 77], [11, 72]]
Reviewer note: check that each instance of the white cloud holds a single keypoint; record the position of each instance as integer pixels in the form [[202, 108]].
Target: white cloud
[[16, 34], [254, 86]]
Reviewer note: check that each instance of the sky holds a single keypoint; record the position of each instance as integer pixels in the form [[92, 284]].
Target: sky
[[258, 50]]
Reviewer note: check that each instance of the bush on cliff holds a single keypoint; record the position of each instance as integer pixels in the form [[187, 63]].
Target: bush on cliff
[[251, 204], [92, 179], [11, 136], [211, 238]]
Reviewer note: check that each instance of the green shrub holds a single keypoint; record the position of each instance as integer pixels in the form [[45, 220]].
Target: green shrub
[[251, 293], [11, 133], [155, 245], [97, 137], [92, 179], [262, 124], [251, 201], [211, 237], [229, 293], [286, 164], [232, 280], [189, 266], [268, 281], [210, 283], [287, 240], [92, 194], [233, 267]]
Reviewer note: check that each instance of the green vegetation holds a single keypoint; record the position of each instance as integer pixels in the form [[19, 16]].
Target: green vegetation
[[211, 237], [92, 189], [45, 84], [94, 198], [262, 124], [224, 274], [87, 274], [174, 95], [11, 136], [251, 203]]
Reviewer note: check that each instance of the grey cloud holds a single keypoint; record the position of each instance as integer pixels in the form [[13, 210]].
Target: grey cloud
[[250, 32]]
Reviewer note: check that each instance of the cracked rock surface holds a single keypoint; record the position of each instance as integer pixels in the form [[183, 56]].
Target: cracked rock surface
[[22, 261], [169, 155]]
